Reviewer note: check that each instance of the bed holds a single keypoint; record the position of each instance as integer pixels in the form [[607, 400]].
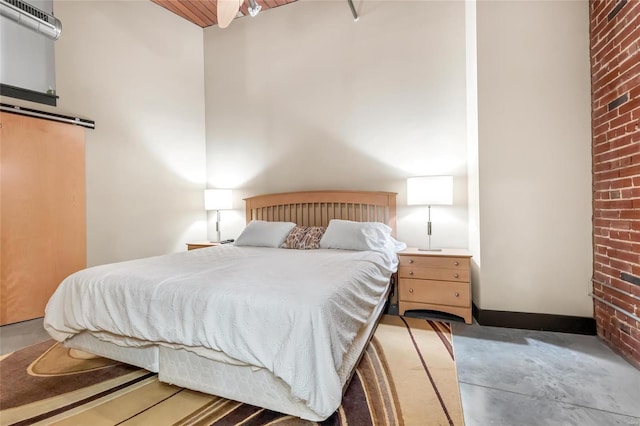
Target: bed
[[273, 327]]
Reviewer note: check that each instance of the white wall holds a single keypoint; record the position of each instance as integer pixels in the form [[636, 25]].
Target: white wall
[[301, 97], [137, 70], [534, 156], [473, 172]]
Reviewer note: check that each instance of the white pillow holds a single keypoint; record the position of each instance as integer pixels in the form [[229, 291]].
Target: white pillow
[[348, 235], [260, 233]]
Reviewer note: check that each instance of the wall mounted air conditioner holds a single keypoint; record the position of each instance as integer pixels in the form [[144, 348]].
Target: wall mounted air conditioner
[[31, 17]]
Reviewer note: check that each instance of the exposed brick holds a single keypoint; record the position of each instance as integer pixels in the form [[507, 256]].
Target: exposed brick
[[613, 204], [597, 112], [616, 133], [608, 214], [619, 224], [623, 141], [630, 12], [631, 105], [634, 236], [607, 270], [608, 175], [601, 278], [629, 70], [632, 126], [604, 310], [612, 76], [620, 183], [626, 36], [615, 75], [618, 235], [635, 333], [605, 56], [625, 246], [621, 120], [631, 342], [597, 10], [599, 185], [629, 85], [606, 117], [620, 266], [632, 170], [604, 26], [623, 148], [628, 256], [622, 301], [623, 162], [619, 284]]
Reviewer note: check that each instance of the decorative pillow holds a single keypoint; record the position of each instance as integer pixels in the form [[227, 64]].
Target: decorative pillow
[[259, 233], [349, 235], [304, 238], [312, 238], [295, 237]]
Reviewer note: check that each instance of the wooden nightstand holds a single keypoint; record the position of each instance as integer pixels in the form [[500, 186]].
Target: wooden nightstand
[[435, 280], [201, 244]]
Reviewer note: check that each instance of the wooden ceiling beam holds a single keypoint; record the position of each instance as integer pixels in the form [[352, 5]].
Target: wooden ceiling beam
[[179, 8], [204, 12], [198, 7]]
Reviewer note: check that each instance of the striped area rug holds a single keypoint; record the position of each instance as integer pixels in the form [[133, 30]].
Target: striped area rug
[[406, 377]]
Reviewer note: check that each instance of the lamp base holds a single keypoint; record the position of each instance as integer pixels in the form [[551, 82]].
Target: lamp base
[[429, 249]]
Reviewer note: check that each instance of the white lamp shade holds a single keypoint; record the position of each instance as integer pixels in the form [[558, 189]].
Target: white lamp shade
[[430, 190], [217, 199]]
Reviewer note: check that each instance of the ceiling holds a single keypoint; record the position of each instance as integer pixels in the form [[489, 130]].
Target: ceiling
[[203, 12]]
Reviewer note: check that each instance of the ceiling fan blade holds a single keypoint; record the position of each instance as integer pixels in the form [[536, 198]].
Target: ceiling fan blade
[[227, 10]]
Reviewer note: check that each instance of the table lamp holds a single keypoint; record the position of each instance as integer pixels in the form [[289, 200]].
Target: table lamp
[[430, 191], [217, 199]]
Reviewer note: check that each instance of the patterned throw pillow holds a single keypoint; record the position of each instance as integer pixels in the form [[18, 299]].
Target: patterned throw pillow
[[295, 237], [304, 238], [312, 238]]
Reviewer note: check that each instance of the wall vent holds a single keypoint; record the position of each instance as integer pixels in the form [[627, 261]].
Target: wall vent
[[31, 17]]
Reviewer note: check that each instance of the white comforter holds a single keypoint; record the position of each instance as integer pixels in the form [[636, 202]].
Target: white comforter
[[293, 312]]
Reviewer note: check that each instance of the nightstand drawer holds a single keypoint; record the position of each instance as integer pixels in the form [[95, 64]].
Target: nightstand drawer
[[420, 272], [436, 292], [460, 263]]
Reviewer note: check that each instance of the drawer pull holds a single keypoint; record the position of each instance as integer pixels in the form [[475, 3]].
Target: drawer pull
[[456, 276], [457, 294], [456, 263], [410, 260], [410, 272], [410, 290]]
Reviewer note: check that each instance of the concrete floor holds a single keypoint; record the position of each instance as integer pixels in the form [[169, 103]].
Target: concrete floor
[[21, 334], [509, 377], [524, 377]]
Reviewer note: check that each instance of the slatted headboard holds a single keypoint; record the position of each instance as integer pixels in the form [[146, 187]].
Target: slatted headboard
[[317, 208]]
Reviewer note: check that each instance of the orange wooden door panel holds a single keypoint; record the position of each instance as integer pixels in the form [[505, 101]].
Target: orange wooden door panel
[[42, 212]]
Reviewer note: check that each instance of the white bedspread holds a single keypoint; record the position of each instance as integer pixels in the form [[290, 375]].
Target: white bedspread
[[293, 312]]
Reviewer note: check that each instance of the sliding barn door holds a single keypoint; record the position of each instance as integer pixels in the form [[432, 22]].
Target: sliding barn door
[[42, 212]]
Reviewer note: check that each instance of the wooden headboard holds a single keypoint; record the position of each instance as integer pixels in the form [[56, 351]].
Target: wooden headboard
[[317, 208]]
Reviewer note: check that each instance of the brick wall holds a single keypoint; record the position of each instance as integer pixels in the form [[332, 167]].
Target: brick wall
[[615, 96]]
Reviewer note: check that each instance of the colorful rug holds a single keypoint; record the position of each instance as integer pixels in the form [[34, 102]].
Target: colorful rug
[[406, 377]]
